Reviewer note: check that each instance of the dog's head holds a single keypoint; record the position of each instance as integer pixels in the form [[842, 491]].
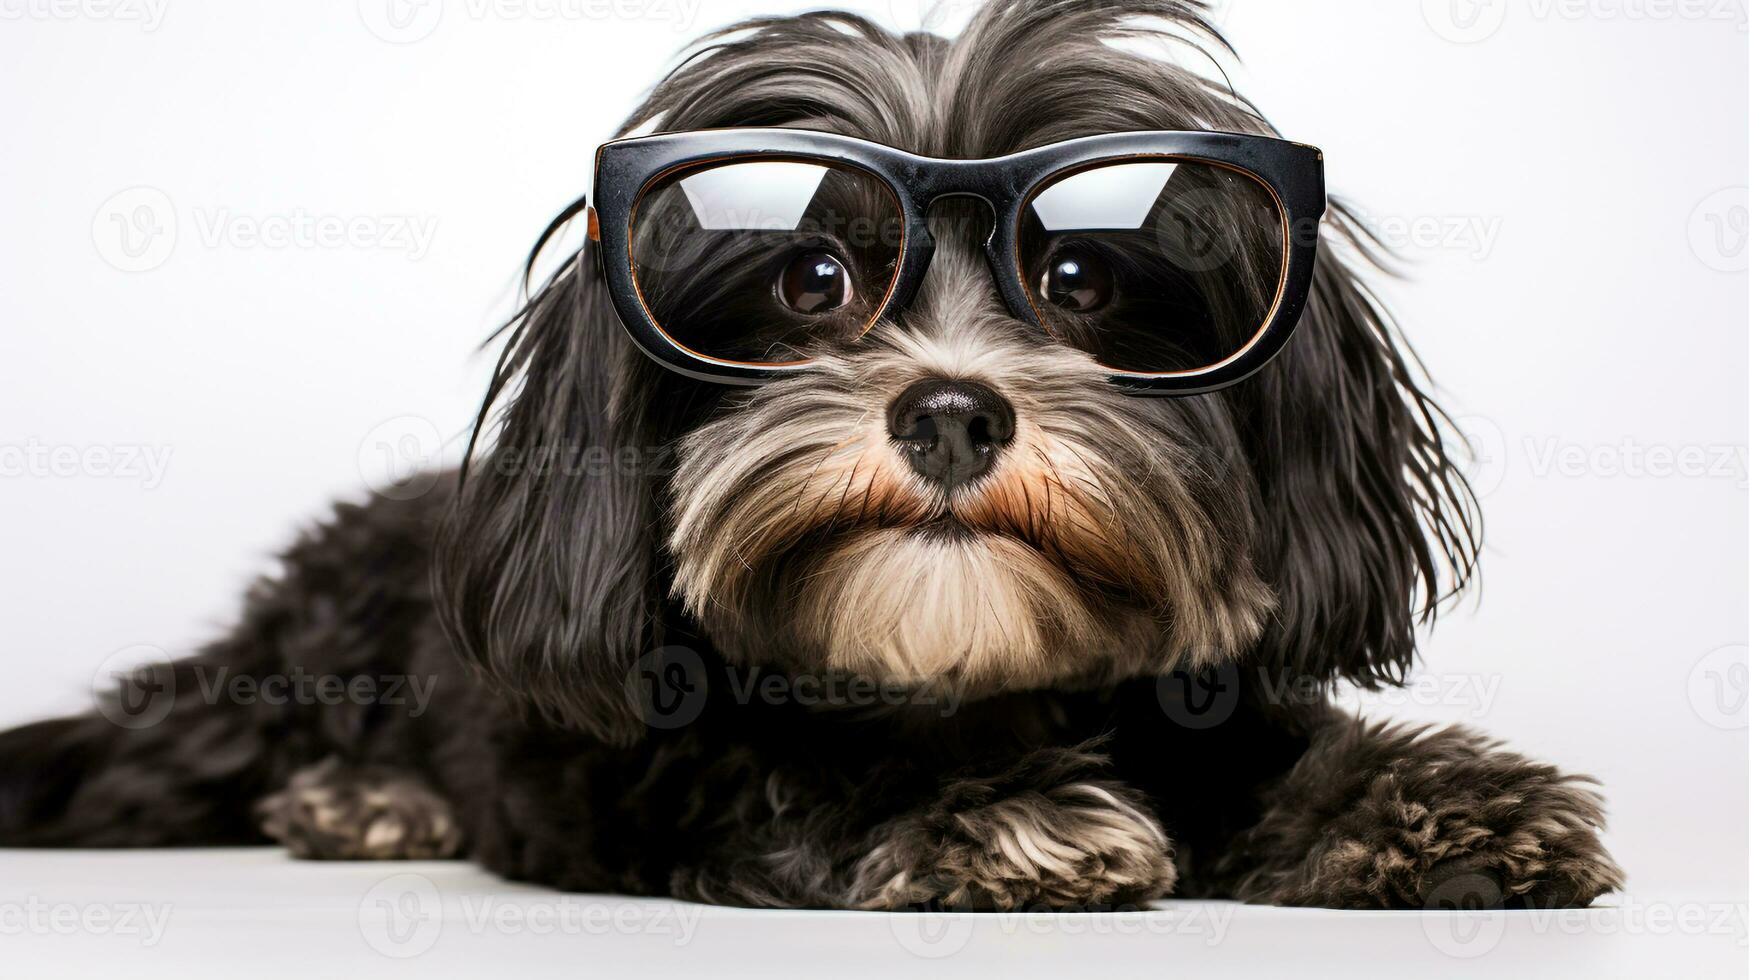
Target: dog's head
[[1300, 521]]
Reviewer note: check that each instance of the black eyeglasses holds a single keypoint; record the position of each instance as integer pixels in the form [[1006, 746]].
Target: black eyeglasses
[[1180, 261]]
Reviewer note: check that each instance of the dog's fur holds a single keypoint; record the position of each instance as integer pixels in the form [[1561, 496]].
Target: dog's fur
[[996, 718]]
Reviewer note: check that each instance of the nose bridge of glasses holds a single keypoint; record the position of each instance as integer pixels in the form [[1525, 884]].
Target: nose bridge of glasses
[[951, 257], [960, 217], [955, 209], [944, 180]]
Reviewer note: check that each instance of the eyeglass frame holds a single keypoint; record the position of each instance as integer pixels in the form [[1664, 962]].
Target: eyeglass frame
[[626, 169]]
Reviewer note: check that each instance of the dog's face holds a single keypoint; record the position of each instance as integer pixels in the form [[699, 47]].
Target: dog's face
[[1043, 529]]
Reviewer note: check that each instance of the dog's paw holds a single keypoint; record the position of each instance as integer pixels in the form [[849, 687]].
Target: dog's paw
[[1562, 870], [1080, 845], [331, 812], [1528, 840]]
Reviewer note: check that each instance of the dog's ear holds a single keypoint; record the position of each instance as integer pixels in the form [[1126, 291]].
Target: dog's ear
[[545, 567], [1368, 522]]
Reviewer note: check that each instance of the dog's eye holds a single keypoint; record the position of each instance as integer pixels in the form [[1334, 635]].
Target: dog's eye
[[1077, 280], [815, 282]]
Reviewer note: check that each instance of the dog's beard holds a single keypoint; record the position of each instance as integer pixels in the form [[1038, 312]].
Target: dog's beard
[[1100, 545]]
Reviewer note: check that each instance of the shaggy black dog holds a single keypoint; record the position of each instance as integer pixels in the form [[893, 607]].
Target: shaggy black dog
[[657, 640]]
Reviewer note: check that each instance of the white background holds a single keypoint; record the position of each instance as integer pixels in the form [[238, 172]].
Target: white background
[[1569, 184]]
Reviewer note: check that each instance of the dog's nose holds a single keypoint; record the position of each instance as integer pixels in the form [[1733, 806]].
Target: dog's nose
[[950, 431]]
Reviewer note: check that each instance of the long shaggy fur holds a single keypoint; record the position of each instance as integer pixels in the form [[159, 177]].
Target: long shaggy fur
[[1099, 548], [631, 561]]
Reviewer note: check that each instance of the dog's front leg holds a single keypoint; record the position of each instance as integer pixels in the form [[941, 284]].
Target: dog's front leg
[[1052, 830], [1377, 816]]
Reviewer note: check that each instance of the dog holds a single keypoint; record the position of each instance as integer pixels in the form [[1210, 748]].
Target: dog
[[768, 646]]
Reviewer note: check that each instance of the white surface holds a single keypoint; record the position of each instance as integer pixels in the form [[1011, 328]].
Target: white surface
[[254, 913], [1566, 183]]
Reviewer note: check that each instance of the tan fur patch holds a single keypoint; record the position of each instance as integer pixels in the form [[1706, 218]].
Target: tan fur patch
[[330, 812], [1079, 845]]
